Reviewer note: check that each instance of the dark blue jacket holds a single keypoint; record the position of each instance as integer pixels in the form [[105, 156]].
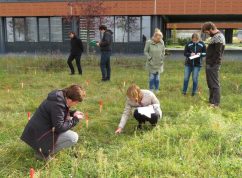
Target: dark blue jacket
[[190, 48], [107, 40], [53, 112]]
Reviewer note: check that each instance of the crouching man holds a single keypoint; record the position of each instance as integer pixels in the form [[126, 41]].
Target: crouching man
[[48, 130]]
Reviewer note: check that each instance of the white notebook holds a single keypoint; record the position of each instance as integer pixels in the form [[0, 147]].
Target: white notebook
[[194, 57], [147, 110]]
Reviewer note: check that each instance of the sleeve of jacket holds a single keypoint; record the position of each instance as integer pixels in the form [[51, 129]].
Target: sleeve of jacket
[[125, 115], [163, 51], [146, 50], [81, 45], [218, 50], [106, 41], [186, 51], [58, 118], [156, 105], [204, 50]]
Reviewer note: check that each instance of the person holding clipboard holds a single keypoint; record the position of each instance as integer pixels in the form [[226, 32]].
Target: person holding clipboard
[[194, 51]]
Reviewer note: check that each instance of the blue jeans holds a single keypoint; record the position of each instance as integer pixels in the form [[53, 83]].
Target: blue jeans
[[195, 73], [154, 80], [105, 65]]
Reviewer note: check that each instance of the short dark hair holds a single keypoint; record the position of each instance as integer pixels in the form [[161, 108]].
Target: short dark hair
[[74, 92], [102, 27], [72, 33], [208, 26]]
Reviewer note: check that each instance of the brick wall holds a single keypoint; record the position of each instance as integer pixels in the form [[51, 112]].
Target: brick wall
[[127, 7]]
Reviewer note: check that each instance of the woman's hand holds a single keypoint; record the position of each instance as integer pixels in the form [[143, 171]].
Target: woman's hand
[[119, 130]]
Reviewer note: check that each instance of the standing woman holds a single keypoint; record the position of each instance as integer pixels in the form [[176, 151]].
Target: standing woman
[[155, 53], [194, 47], [76, 53]]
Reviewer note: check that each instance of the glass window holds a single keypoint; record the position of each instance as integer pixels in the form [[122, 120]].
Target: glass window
[[83, 29], [19, 29], [121, 29], [44, 29], [134, 29], [9, 26], [56, 29], [146, 27], [31, 29]]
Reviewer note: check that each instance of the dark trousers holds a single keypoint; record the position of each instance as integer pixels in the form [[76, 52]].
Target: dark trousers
[[78, 63], [212, 75], [105, 65], [142, 118]]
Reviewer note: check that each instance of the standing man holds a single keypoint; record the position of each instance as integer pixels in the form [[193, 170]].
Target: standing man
[[106, 48], [76, 52], [215, 52]]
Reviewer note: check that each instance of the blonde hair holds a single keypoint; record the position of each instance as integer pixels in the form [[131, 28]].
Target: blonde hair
[[196, 35], [134, 92], [158, 32]]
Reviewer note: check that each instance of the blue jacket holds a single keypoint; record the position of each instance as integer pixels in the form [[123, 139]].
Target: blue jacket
[[190, 48]]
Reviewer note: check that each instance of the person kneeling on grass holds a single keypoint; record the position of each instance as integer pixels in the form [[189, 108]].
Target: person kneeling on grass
[[144, 102], [48, 130]]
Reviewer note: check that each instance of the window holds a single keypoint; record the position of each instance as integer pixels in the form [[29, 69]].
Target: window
[[31, 29], [56, 29], [134, 29], [121, 29], [146, 26], [44, 29], [9, 26], [19, 29]]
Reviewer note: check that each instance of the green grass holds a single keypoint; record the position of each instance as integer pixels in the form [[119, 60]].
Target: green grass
[[192, 140]]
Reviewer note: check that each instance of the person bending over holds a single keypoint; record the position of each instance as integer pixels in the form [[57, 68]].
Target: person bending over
[[48, 130], [139, 99]]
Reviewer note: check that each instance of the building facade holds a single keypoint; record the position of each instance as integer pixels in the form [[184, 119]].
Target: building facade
[[42, 26]]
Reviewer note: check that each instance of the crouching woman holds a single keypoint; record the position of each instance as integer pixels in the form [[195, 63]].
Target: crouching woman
[[48, 130], [137, 99]]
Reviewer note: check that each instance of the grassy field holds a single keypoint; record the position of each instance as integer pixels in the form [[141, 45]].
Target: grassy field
[[192, 140]]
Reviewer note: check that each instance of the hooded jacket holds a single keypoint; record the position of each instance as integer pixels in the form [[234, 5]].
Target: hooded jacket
[[50, 119], [155, 54], [190, 48], [107, 40]]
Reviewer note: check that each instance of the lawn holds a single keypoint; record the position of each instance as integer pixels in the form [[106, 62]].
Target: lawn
[[192, 140]]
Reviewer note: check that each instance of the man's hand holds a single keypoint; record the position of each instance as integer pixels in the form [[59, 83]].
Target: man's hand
[[79, 115], [119, 130], [98, 44], [193, 54]]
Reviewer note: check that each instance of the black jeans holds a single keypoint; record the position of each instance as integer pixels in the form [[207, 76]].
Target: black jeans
[[105, 65], [78, 63], [212, 75], [142, 118]]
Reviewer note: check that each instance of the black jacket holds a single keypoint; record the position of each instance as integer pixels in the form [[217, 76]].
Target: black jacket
[[190, 48], [107, 40], [76, 46], [215, 49], [53, 112]]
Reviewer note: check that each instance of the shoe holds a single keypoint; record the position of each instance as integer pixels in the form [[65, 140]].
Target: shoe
[[139, 127], [80, 73], [104, 80], [214, 106], [184, 94], [72, 73], [193, 94]]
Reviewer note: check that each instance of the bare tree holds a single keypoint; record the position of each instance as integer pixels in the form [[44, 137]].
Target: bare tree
[[89, 10]]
